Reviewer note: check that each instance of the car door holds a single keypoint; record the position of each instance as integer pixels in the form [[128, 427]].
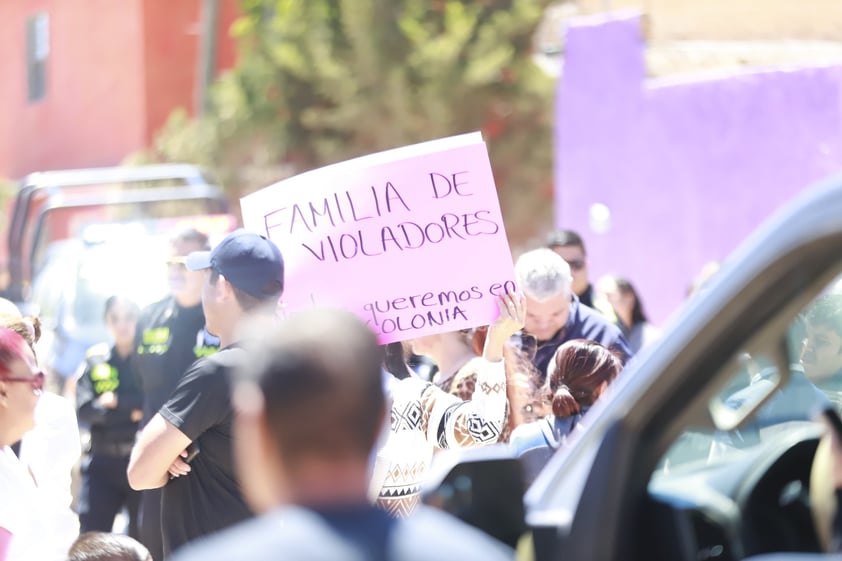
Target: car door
[[591, 500]]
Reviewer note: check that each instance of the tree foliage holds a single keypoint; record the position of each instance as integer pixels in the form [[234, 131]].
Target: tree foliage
[[320, 81]]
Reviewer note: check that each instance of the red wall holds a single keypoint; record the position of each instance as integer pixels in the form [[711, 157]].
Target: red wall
[[171, 57], [115, 71], [89, 115]]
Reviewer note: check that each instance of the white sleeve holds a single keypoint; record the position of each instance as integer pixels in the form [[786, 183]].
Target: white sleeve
[[454, 423], [50, 451]]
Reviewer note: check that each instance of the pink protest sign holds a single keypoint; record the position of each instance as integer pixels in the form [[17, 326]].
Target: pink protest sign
[[411, 240]]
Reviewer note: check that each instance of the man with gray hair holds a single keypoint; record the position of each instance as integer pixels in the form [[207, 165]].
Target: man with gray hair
[[554, 314]]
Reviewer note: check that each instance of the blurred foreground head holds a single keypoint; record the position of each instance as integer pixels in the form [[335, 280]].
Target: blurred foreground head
[[101, 546], [309, 405]]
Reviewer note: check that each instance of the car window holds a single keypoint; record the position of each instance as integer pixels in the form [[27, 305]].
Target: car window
[[781, 386]]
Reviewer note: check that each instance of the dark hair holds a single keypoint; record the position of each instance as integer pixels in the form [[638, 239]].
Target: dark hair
[[625, 286], [248, 302], [522, 380], [394, 360], [191, 235], [827, 310], [579, 368], [102, 546], [565, 238], [115, 299], [320, 376]]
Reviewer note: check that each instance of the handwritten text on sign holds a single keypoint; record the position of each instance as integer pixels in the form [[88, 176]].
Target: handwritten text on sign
[[413, 245]]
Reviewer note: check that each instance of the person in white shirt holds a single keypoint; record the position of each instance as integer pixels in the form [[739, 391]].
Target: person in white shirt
[[48, 451], [21, 384]]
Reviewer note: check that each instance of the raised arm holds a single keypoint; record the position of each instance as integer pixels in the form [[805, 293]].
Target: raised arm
[[455, 423]]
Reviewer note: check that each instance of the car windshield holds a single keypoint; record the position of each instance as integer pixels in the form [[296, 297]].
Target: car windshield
[[812, 380]]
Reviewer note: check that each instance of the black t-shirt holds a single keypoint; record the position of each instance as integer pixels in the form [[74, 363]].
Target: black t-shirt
[[208, 498], [169, 339]]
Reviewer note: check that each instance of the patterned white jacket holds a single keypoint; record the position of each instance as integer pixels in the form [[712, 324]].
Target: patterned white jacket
[[425, 418]]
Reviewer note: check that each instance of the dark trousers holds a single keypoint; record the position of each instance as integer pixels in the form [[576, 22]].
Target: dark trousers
[[105, 491], [150, 522]]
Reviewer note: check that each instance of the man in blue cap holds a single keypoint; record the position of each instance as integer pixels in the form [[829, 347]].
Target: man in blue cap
[[170, 336], [186, 447]]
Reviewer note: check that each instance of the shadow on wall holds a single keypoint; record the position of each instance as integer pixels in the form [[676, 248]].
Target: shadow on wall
[[663, 175]]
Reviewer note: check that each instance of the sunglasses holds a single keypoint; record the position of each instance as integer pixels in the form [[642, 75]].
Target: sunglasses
[[576, 264], [177, 262], [36, 381]]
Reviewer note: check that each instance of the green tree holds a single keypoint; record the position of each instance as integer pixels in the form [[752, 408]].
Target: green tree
[[320, 81]]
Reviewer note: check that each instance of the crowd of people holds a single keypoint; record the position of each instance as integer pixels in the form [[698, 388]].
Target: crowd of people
[[219, 432]]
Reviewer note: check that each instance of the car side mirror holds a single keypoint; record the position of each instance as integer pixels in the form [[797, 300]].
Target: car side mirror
[[483, 487]]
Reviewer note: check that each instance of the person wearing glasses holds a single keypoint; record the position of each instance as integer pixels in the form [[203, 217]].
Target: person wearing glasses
[[569, 245], [50, 450], [109, 400], [554, 314], [21, 384], [170, 336]]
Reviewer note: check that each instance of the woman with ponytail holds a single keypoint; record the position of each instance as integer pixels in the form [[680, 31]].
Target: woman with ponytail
[[579, 372]]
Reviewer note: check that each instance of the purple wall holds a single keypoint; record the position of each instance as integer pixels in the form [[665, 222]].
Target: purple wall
[[688, 168]]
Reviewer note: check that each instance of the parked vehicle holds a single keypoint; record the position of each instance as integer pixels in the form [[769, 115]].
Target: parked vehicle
[[79, 274], [57, 205], [77, 236], [669, 464]]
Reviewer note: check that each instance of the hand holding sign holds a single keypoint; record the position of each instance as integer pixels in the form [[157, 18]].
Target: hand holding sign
[[512, 308], [412, 240]]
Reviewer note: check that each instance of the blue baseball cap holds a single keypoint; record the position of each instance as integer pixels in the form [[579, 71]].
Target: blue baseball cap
[[247, 260]]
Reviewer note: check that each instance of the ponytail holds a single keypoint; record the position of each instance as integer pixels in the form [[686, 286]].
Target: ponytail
[[564, 404]]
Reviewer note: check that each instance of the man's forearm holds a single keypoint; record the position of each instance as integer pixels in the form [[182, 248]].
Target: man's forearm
[[145, 477], [158, 446]]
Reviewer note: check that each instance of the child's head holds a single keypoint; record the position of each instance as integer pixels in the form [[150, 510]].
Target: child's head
[[101, 546]]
